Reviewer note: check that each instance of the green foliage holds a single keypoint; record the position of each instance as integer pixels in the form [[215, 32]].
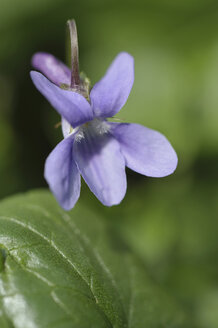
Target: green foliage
[[71, 270]]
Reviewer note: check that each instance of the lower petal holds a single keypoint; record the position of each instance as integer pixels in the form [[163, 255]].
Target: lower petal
[[146, 151], [102, 166], [62, 174]]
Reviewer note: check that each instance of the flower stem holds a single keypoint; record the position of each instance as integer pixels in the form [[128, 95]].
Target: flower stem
[[75, 78]]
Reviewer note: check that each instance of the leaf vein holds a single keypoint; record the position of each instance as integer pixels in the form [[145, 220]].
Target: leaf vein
[[52, 244]]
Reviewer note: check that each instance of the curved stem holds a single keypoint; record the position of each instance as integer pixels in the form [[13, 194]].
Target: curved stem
[[75, 79]]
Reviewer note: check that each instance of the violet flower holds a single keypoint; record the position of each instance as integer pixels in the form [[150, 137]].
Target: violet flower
[[92, 146]]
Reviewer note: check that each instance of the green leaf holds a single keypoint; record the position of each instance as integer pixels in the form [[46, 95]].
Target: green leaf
[[71, 269]]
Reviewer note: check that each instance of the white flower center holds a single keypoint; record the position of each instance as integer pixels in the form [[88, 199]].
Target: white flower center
[[97, 126]]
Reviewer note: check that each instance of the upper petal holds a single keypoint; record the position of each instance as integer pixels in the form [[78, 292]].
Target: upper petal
[[62, 174], [56, 71], [71, 105], [146, 151], [110, 94], [102, 166]]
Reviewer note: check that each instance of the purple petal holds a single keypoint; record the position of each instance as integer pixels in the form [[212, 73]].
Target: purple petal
[[62, 174], [110, 94], [71, 105], [52, 68], [102, 166], [146, 151]]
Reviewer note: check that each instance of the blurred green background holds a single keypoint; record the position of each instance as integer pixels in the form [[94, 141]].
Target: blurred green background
[[171, 223]]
